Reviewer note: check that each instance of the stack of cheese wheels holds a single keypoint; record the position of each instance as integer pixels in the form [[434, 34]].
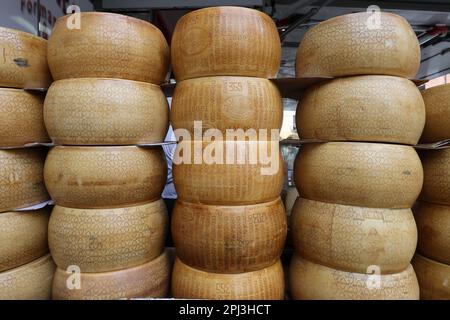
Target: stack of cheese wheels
[[108, 227], [353, 230], [432, 213], [26, 268], [229, 224]]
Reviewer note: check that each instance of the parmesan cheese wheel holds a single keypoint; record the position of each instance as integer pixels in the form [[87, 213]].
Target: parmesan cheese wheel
[[99, 240], [359, 43], [32, 281], [310, 281], [23, 237], [433, 277], [227, 103], [361, 174], [149, 280], [362, 108], [105, 112], [209, 173], [24, 60], [229, 239], [436, 182], [21, 179], [21, 121], [104, 177], [437, 106], [433, 224], [108, 45], [264, 284], [353, 238], [227, 40]]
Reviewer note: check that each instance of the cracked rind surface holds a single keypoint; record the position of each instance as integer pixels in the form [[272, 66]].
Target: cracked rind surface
[[437, 106], [361, 174], [436, 182], [433, 277], [355, 44]]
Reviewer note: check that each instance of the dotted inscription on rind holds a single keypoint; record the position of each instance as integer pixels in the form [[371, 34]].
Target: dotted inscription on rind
[[99, 240], [437, 105], [436, 182]]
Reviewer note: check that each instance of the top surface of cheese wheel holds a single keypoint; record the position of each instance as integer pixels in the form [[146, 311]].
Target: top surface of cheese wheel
[[263, 284], [228, 172], [24, 60], [437, 106], [21, 178], [108, 45], [21, 120], [433, 224], [32, 281], [93, 111], [225, 41], [361, 174], [436, 179], [227, 103], [362, 108], [310, 281], [23, 237], [433, 277], [359, 43], [104, 177]]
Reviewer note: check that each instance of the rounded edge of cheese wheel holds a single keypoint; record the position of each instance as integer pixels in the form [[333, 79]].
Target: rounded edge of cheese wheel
[[214, 181], [149, 280], [225, 102], [24, 60], [101, 240], [225, 40], [105, 177], [263, 284], [345, 46], [362, 108], [96, 111], [433, 225], [32, 281], [362, 174], [229, 239], [21, 178], [23, 237], [437, 107], [22, 121], [436, 177], [134, 49], [433, 277], [352, 239], [311, 281]]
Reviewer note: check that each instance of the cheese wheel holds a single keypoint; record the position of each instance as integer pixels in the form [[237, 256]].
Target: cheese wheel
[[433, 277], [104, 177], [100, 240], [352, 239], [361, 174], [21, 179], [24, 60], [32, 281], [436, 182], [229, 239], [23, 237], [362, 108], [310, 281], [264, 284], [437, 106], [228, 172], [149, 280], [21, 121], [219, 41], [107, 45], [105, 112], [227, 103], [359, 43], [433, 224]]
